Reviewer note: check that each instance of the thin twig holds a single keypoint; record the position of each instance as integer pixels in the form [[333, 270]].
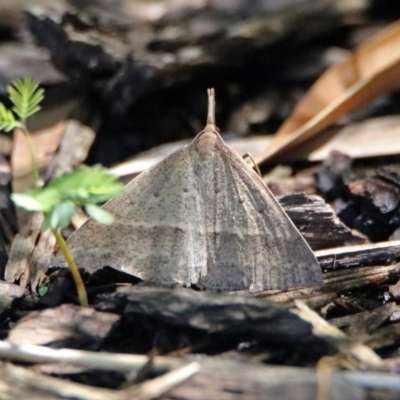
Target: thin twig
[[90, 359], [27, 380]]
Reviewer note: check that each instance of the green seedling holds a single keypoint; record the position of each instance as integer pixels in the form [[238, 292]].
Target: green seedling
[[85, 187], [25, 95], [42, 290]]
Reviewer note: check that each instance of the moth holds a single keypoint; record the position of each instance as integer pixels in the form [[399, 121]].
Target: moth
[[201, 217]]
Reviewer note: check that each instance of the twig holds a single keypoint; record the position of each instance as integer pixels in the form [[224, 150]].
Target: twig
[[27, 381], [121, 362]]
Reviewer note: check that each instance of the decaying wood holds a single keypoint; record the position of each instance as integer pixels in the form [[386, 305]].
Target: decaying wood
[[169, 49], [394, 290], [40, 258], [63, 326], [359, 255], [346, 269], [335, 283], [368, 198], [365, 322], [317, 222], [22, 247], [384, 337], [30, 253], [8, 293], [205, 320], [356, 354]]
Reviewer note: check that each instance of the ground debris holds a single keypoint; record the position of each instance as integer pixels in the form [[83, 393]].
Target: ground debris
[[170, 319], [317, 221], [63, 326], [8, 293], [133, 74]]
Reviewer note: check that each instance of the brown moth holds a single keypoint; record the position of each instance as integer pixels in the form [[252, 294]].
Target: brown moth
[[201, 216]]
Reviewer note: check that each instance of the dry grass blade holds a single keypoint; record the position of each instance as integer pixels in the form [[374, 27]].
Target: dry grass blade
[[373, 69]]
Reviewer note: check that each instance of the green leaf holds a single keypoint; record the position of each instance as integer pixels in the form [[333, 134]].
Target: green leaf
[[26, 95], [43, 290], [41, 199], [26, 201], [7, 119], [81, 188], [59, 216], [98, 214], [87, 185]]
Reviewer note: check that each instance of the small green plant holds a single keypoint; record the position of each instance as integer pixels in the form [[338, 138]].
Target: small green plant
[[57, 200], [25, 95]]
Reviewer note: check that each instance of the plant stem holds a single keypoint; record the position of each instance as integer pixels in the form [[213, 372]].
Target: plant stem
[[35, 169], [80, 287]]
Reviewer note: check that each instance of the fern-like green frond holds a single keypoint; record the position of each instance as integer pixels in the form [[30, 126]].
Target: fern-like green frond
[[7, 119], [26, 95]]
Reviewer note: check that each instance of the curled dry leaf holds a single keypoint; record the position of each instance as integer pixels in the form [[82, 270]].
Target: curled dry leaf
[[374, 68]]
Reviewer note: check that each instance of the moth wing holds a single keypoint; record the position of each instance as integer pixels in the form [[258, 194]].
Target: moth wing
[[199, 218], [158, 232], [253, 244]]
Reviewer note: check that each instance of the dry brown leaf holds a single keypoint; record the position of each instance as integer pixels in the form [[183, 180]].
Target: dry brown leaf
[[357, 140], [45, 144], [370, 138], [373, 69]]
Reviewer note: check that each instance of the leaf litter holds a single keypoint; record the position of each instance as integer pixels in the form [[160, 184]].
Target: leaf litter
[[349, 282]]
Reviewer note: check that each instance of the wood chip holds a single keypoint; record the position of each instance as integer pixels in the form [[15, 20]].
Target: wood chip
[[64, 326]]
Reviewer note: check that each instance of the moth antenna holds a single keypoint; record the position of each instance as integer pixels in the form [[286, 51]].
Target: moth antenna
[[255, 166], [211, 107]]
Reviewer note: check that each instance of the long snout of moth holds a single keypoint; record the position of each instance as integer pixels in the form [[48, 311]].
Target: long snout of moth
[[211, 124], [211, 107]]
